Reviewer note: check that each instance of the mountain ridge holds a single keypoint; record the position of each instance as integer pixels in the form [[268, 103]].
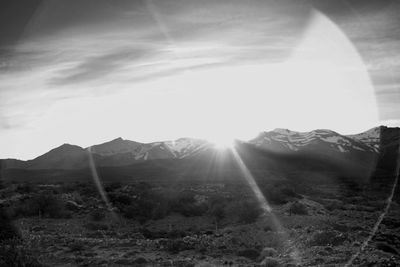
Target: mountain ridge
[[120, 152]]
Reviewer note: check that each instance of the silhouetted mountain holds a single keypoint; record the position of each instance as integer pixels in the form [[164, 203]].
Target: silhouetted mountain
[[116, 146], [283, 140], [65, 156], [316, 155], [389, 143]]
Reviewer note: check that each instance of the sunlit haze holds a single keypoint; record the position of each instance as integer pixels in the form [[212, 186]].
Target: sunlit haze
[[192, 86]]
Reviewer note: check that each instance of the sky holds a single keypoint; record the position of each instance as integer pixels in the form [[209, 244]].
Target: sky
[[88, 71]]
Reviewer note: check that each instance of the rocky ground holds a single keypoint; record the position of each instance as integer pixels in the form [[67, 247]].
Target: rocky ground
[[315, 231]]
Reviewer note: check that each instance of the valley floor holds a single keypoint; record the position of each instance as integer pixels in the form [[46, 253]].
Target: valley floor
[[325, 231]]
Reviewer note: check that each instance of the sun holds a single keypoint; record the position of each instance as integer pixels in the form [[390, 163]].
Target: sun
[[222, 143]]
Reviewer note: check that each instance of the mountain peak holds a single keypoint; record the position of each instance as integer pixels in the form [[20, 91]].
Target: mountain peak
[[115, 146], [283, 131], [67, 146]]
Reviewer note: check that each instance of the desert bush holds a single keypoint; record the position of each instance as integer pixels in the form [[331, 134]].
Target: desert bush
[[268, 252], [3, 184], [185, 204], [217, 209], [87, 189], [327, 237], [268, 228], [120, 199], [16, 253], [67, 187], [270, 262], [218, 213], [161, 210], [246, 212], [26, 188], [298, 208], [77, 197], [141, 204], [387, 248], [46, 205], [249, 253], [333, 205], [97, 215], [140, 210], [175, 246], [176, 234], [113, 186], [95, 226], [279, 193], [7, 229], [77, 246]]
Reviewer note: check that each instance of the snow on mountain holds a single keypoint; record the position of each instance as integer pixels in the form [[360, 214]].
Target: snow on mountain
[[179, 148], [119, 152], [185, 147], [371, 137], [286, 140]]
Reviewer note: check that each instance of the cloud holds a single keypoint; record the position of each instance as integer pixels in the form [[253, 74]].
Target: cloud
[[95, 67], [82, 48]]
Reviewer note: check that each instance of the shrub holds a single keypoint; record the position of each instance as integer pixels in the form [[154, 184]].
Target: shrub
[[43, 205], [177, 245], [268, 252], [247, 212], [119, 199], [141, 210], [77, 197], [218, 212], [96, 226], [113, 186], [2, 184], [387, 248], [251, 254], [77, 246], [333, 205], [87, 189], [279, 194], [270, 262], [7, 229], [161, 210], [325, 238], [145, 205], [97, 215], [298, 208], [25, 188], [16, 253], [185, 204]]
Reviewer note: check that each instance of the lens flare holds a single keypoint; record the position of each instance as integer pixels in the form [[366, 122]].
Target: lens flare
[[265, 205], [99, 186]]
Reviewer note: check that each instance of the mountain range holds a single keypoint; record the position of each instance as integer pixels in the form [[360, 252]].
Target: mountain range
[[277, 149], [124, 152]]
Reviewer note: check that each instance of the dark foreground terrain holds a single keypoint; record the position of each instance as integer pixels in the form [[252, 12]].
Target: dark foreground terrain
[[332, 202], [197, 224]]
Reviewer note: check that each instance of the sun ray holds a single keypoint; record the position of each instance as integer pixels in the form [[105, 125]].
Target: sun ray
[[266, 207]]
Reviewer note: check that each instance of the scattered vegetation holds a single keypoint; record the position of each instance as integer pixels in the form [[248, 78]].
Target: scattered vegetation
[[327, 238], [251, 254], [246, 211], [15, 253], [7, 229], [298, 208], [97, 215], [270, 262], [210, 221], [42, 205]]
